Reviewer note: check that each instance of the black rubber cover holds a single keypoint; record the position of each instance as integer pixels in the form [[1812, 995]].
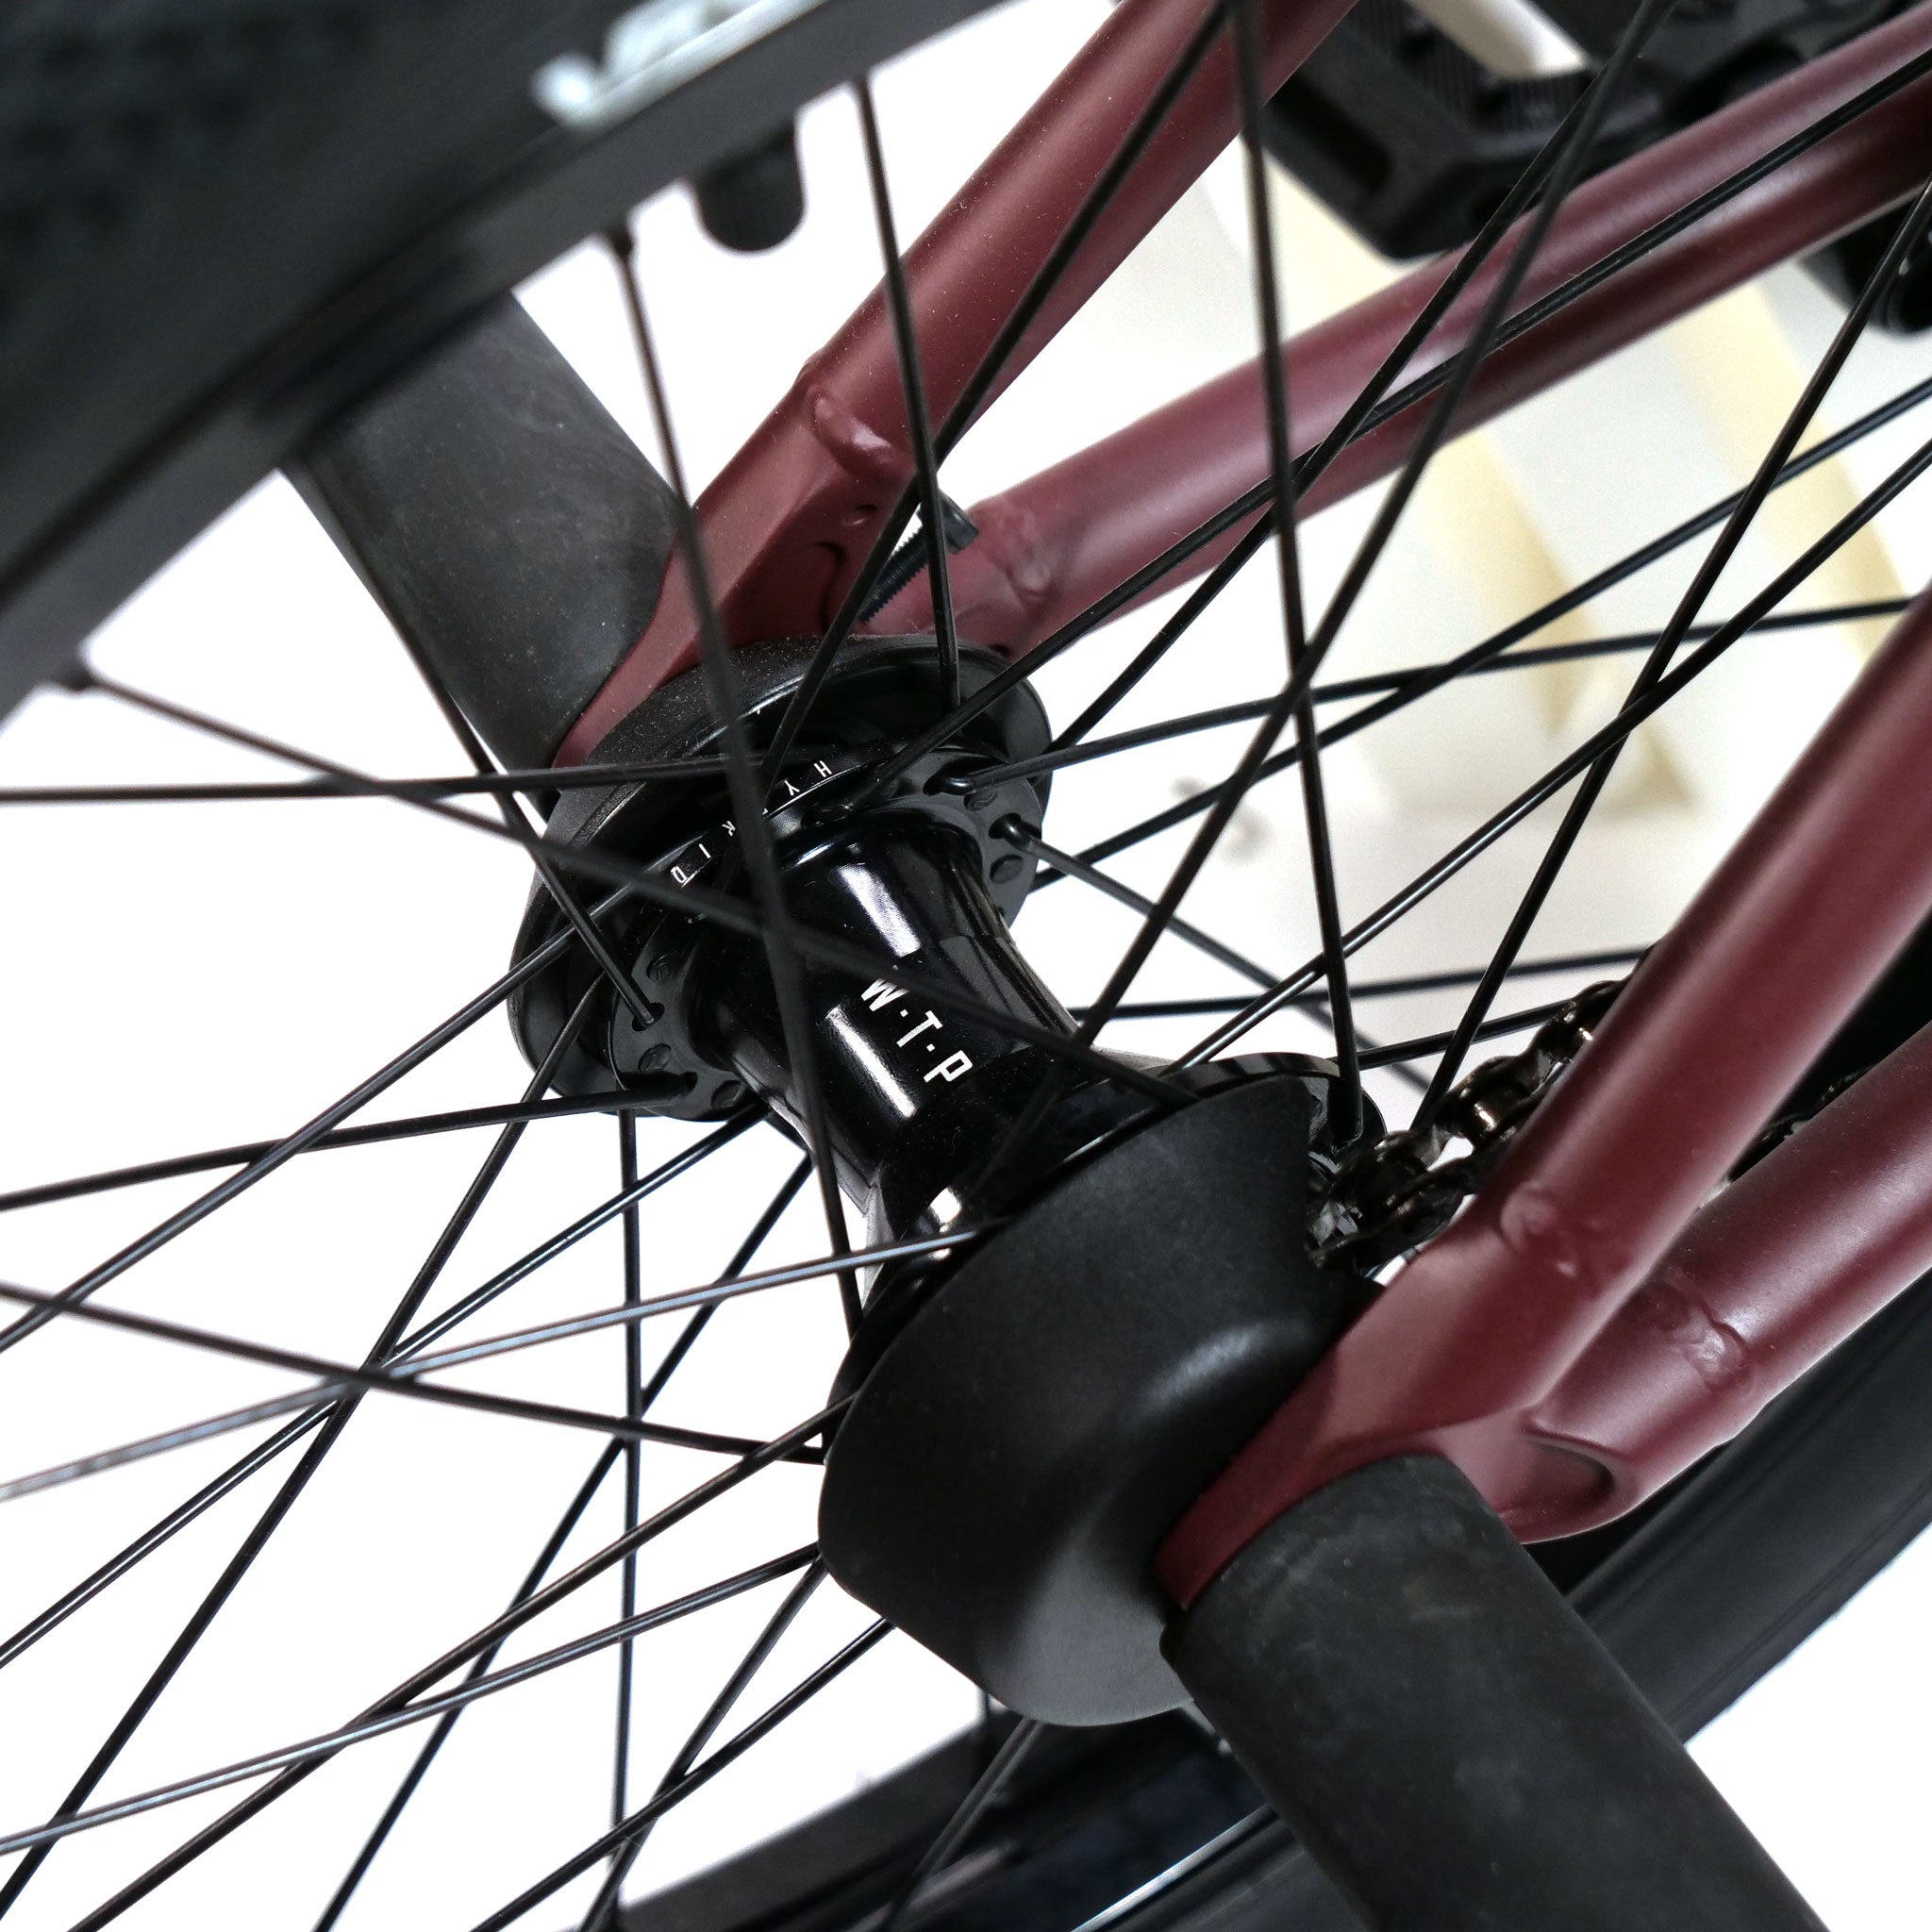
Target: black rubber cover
[[755, 200], [515, 534], [1448, 1737], [1002, 1480]]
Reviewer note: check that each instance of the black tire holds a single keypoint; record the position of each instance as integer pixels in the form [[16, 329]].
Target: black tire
[[221, 221]]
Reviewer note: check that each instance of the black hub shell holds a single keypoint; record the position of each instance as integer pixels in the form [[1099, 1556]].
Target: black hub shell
[[1009, 1465], [940, 835]]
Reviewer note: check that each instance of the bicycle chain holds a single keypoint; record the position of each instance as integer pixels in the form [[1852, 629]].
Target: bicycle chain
[[1391, 1196]]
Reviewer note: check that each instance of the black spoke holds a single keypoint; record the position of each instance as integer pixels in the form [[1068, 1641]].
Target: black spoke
[[1553, 781], [1023, 839], [1910, 231], [1490, 651], [966, 1814], [336, 1379], [728, 1288], [515, 811], [755, 842], [633, 1458], [603, 1907], [1348, 1093], [158, 1533], [734, 1270], [325, 785], [599, 1849], [1342, 689], [918, 417], [426, 1757], [1399, 1051], [558, 1106], [1413, 681], [601, 1216], [312, 1750], [1398, 988], [453, 1660]]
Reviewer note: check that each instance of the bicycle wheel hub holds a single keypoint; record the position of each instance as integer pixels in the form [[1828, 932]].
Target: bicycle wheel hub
[[1031, 1411]]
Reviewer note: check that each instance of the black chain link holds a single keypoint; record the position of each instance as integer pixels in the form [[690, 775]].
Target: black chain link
[[1391, 1196]]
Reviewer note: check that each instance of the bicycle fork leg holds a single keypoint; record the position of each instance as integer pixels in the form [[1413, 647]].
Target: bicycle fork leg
[[1448, 1737]]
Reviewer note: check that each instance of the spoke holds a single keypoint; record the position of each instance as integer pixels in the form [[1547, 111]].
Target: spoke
[[1342, 689], [336, 1379], [1576, 813], [1400, 1050], [1490, 650], [424, 1757], [1348, 1094], [599, 1849], [312, 1750], [727, 1289], [559, 1107], [979, 386], [1163, 641], [761, 1232], [755, 842], [600, 1216], [462, 1654], [633, 1458], [515, 811], [918, 418], [603, 1907], [204, 1430], [1414, 681], [1578, 761], [151, 1538], [969, 1812], [351, 785], [332, 1423], [1021, 838], [721, 909]]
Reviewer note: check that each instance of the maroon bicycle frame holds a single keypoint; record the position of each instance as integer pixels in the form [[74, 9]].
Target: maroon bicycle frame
[[1595, 1319]]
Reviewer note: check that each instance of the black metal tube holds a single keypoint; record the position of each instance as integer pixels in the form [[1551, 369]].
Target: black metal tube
[[1446, 1736]]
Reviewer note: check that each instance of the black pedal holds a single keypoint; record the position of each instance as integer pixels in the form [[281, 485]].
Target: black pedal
[[1414, 140]]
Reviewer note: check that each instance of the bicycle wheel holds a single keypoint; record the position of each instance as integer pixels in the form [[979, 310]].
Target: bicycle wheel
[[280, 236]]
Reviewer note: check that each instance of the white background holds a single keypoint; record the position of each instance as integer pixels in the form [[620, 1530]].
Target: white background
[[188, 976]]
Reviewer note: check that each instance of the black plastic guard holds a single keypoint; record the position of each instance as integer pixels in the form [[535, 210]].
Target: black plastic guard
[[1009, 1465]]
